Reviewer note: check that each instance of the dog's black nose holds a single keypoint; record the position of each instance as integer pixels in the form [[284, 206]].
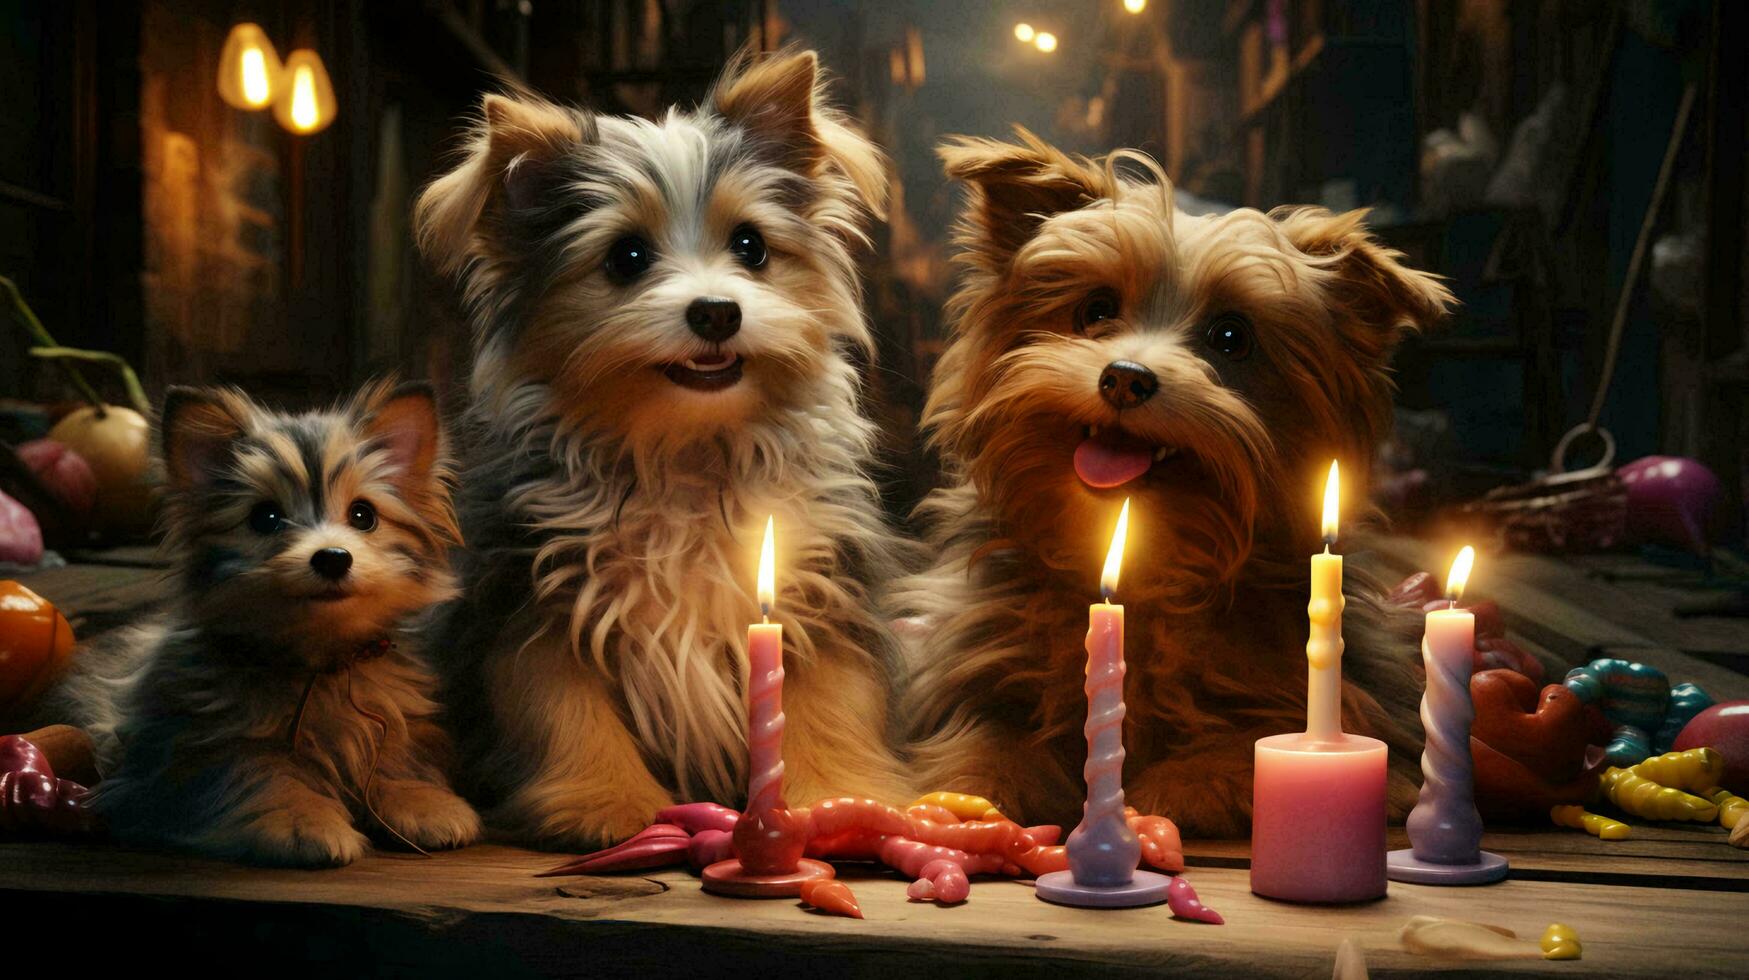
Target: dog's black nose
[[331, 563], [1126, 384], [714, 319]]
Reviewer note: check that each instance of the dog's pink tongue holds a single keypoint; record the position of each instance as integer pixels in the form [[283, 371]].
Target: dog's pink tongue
[[1103, 465]]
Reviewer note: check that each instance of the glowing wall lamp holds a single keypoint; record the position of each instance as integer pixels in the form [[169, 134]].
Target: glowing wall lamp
[[1135, 6], [249, 69], [1024, 33], [306, 99], [1046, 41]]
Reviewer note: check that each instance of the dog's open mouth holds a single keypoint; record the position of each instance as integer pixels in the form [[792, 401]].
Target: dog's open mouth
[[712, 374], [1110, 457]]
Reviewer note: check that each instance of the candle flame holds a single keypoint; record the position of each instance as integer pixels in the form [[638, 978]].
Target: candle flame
[[1114, 557], [257, 91], [767, 571], [1460, 573], [303, 104], [1332, 503]]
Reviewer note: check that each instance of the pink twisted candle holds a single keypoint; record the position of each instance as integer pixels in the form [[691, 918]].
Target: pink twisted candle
[[1444, 827], [764, 717]]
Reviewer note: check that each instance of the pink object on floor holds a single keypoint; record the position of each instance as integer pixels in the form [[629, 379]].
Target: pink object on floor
[[1184, 903]]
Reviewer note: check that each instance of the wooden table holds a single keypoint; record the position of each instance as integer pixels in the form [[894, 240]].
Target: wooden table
[[1670, 901]]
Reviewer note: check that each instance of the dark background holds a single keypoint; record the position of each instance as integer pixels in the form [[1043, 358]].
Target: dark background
[[141, 214]]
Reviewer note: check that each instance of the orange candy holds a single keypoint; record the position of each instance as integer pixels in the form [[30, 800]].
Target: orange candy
[[832, 896], [36, 643]]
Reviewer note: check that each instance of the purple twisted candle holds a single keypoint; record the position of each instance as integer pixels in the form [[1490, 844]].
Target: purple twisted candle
[[1444, 827], [1103, 850]]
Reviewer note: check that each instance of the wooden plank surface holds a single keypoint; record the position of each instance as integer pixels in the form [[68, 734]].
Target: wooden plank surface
[[662, 921]]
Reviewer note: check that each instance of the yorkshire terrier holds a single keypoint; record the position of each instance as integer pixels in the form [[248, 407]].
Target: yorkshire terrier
[[668, 327], [1105, 346], [272, 710]]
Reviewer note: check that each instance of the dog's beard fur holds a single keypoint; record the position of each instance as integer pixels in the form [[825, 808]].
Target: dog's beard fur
[[614, 514], [193, 712], [1214, 574]]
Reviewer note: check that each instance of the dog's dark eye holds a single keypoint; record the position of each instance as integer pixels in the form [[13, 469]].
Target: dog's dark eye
[[1230, 333], [628, 258], [1099, 305], [362, 516], [748, 245], [265, 518]]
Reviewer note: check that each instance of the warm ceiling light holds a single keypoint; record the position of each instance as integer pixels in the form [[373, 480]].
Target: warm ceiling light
[[1024, 33], [306, 102], [1046, 41], [1135, 6], [249, 70]]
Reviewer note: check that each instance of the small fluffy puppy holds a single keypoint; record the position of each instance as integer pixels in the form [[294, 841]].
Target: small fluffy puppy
[[668, 321], [272, 711], [1209, 368]]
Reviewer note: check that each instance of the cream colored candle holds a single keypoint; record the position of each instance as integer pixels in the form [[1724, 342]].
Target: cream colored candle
[[1324, 643]]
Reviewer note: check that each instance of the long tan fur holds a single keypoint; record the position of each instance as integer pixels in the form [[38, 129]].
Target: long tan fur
[[1214, 576]]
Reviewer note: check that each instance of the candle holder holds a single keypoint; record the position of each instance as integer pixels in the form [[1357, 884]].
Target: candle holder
[[1103, 850], [1445, 829]]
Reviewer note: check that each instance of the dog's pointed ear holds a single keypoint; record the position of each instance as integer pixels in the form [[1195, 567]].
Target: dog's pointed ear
[[1381, 295], [404, 421], [506, 163], [780, 100], [198, 430], [1014, 187]]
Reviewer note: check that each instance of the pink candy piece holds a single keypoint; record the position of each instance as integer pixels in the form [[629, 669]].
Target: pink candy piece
[[708, 847], [653, 847], [1182, 900], [694, 817], [941, 881]]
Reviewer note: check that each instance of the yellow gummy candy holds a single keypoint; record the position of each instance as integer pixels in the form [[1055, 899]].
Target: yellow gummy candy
[[1560, 942], [1693, 770], [1732, 807], [962, 805], [1594, 824], [1641, 797]]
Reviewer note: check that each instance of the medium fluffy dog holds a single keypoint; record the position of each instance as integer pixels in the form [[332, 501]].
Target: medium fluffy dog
[[1107, 347], [256, 719], [666, 318]]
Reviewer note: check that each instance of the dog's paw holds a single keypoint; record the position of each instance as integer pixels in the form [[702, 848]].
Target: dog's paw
[[298, 836], [579, 818], [429, 815]]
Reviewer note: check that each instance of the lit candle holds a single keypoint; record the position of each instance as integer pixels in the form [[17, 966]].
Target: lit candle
[[769, 837], [1103, 850], [1324, 642], [1445, 831], [1318, 796], [765, 691]]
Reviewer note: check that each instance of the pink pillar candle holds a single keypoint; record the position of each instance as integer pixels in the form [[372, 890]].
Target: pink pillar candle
[[1318, 818]]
